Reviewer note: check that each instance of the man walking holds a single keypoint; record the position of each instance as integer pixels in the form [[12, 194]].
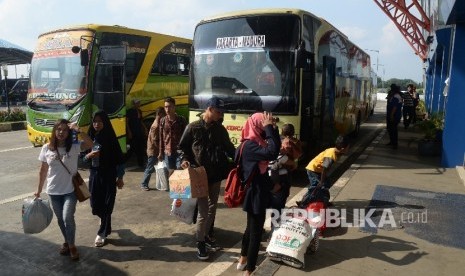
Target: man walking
[[206, 143], [171, 128]]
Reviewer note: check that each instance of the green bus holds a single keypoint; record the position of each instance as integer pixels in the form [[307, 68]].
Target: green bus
[[77, 70]]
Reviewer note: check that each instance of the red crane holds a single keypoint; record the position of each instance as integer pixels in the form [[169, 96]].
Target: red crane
[[408, 24]]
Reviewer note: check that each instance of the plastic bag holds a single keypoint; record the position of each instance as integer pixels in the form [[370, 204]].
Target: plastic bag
[[184, 209], [162, 174], [36, 215]]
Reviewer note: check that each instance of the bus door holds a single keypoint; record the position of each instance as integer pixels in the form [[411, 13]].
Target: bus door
[[109, 90], [307, 106], [327, 126]]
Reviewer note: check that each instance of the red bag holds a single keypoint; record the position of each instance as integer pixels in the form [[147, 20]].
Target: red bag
[[235, 190]]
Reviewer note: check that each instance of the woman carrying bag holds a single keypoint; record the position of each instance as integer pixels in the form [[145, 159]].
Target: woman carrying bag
[[106, 172], [55, 155], [262, 143]]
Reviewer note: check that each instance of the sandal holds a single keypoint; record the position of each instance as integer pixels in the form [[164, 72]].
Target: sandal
[[74, 253], [64, 250], [99, 241]]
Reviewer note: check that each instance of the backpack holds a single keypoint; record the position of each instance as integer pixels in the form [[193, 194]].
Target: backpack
[[235, 190]]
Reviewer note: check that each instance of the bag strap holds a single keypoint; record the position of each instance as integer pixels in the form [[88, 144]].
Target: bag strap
[[238, 162], [59, 159]]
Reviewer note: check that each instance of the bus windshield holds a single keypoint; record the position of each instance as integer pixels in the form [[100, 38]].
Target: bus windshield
[[248, 62], [57, 79]]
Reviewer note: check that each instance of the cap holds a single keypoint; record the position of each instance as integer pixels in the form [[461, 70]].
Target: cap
[[217, 103]]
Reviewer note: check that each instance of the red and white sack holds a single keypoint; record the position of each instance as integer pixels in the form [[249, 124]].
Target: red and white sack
[[289, 242]]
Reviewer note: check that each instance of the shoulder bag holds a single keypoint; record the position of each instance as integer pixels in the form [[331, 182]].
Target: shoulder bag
[[80, 187], [235, 189]]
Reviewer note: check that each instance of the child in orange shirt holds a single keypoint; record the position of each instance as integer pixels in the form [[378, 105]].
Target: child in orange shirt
[[291, 150]]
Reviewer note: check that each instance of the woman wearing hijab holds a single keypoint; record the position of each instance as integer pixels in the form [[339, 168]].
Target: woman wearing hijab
[[106, 172], [261, 143]]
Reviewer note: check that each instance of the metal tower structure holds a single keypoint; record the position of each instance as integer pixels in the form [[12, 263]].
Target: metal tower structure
[[411, 27]]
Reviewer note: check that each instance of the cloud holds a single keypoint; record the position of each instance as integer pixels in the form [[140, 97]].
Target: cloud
[[354, 33]]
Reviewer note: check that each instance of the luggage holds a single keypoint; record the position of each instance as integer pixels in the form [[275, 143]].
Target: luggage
[[36, 215], [162, 174], [290, 241], [184, 209]]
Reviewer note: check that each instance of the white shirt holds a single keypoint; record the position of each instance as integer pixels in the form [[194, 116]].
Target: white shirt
[[58, 178]]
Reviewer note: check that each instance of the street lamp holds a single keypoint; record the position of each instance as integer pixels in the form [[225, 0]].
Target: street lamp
[[5, 73], [377, 51], [382, 83]]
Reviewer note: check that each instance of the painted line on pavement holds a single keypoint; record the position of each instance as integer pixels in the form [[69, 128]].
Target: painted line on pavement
[[221, 264], [15, 198], [7, 150], [23, 196]]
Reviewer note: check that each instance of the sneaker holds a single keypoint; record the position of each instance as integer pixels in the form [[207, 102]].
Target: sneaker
[[211, 245], [99, 241], [145, 188], [202, 252]]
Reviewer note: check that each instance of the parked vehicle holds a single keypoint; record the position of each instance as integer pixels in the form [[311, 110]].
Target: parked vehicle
[[9, 85], [18, 92]]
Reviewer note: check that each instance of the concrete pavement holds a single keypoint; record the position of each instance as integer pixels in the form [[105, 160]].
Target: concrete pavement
[[426, 201], [147, 241]]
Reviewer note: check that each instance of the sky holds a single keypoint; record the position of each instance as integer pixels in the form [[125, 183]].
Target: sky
[[22, 21]]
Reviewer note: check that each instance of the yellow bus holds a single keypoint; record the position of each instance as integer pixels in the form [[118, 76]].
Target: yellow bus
[[286, 61], [79, 69]]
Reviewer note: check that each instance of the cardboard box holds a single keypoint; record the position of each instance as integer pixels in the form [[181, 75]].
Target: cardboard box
[[189, 183]]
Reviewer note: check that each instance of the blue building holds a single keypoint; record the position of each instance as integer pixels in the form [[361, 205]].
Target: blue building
[[445, 75]]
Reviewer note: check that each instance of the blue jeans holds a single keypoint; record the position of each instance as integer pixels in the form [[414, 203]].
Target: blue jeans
[[322, 194], [149, 169], [64, 207], [173, 162]]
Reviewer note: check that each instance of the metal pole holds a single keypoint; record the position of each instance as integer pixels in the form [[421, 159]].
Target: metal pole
[[7, 96], [5, 72]]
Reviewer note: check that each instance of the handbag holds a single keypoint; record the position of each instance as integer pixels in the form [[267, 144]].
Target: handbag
[[235, 189], [80, 187]]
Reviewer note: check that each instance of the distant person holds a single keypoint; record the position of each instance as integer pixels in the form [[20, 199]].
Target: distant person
[[57, 174], [261, 145], [106, 173], [408, 109], [393, 114], [136, 133], [172, 127], [416, 101], [317, 170], [153, 148], [206, 142]]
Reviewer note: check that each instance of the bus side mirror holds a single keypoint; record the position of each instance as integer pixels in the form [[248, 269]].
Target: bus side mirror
[[84, 57]]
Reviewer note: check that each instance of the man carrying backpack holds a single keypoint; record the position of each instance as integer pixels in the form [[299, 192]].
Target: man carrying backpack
[[206, 142]]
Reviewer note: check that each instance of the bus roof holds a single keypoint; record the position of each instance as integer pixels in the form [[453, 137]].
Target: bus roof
[[271, 11], [241, 13], [112, 28]]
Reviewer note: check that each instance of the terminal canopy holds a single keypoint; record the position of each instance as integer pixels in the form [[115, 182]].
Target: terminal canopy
[[12, 54]]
